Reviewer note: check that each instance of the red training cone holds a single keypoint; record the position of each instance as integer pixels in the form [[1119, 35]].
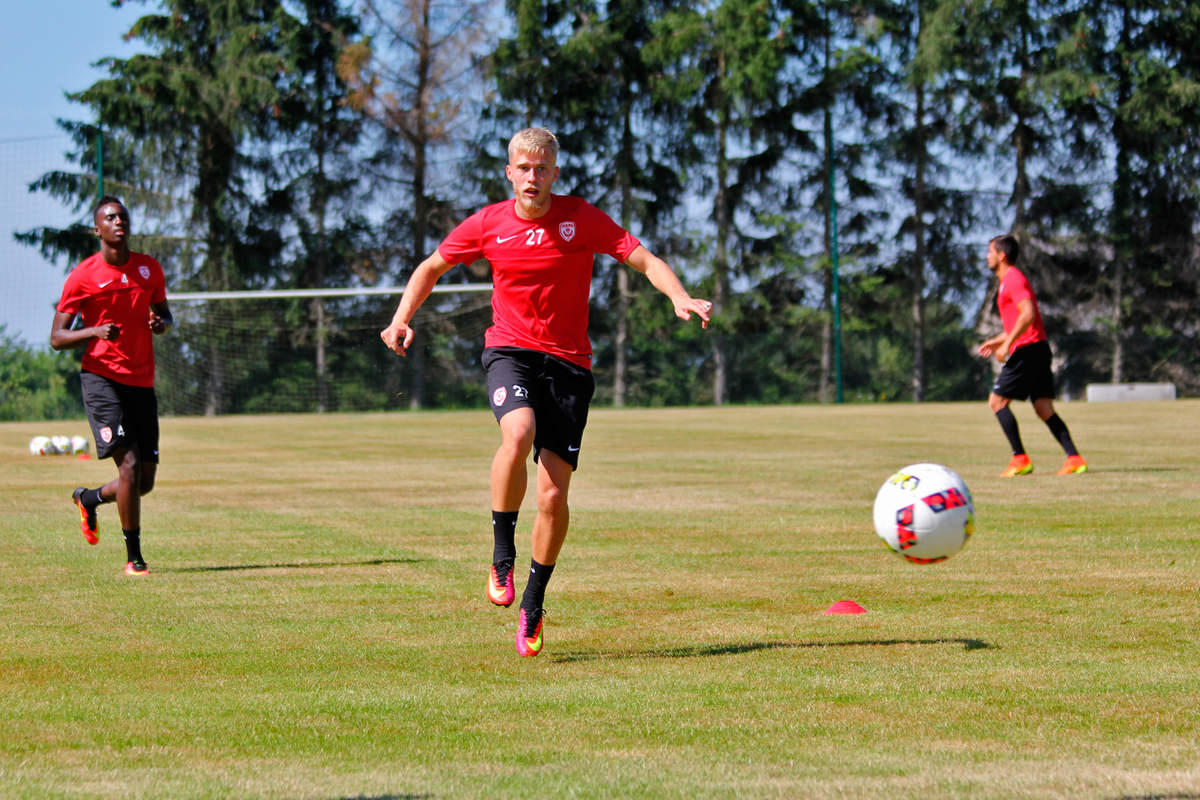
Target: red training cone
[[845, 607]]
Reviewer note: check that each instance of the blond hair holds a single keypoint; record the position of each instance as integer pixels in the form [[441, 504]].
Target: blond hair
[[537, 141]]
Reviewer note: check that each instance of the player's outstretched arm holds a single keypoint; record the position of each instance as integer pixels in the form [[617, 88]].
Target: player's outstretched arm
[[398, 336], [663, 278]]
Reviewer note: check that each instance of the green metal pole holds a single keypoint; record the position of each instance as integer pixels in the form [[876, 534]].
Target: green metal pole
[[833, 254], [99, 161]]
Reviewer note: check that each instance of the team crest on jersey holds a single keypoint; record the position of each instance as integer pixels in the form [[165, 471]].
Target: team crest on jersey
[[499, 396], [566, 230], [106, 434], [144, 271]]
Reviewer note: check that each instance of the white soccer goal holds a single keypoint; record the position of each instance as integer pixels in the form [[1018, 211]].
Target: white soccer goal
[[306, 350]]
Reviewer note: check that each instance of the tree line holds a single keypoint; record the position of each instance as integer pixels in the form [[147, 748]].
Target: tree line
[[754, 143]]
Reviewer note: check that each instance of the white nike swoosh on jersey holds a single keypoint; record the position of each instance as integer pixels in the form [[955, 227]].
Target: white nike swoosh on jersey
[[106, 283], [506, 238]]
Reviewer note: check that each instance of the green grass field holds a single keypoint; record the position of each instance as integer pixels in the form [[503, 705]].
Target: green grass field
[[315, 624]]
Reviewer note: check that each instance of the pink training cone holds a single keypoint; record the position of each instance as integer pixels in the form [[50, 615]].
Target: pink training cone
[[845, 607]]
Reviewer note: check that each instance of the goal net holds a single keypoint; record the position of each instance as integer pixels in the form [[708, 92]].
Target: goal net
[[319, 350]]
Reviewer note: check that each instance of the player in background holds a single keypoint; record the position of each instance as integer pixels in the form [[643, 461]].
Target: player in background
[[120, 298], [536, 353], [1025, 353]]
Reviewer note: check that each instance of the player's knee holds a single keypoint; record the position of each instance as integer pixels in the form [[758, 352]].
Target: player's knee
[[552, 499], [517, 439], [146, 486], [517, 447]]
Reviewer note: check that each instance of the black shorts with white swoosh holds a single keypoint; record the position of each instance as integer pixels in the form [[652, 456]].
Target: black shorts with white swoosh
[[558, 391]]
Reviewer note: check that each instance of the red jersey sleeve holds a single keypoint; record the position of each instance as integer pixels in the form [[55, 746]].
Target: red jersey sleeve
[[464, 244], [73, 293]]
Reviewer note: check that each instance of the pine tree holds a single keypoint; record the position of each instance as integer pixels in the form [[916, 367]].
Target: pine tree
[[719, 69], [413, 74]]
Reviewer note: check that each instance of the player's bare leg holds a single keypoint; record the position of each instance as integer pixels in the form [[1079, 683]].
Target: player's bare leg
[[549, 533], [509, 475], [553, 514]]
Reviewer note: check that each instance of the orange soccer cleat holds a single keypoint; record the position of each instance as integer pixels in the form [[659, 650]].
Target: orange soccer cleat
[[1020, 465], [1074, 465], [87, 518]]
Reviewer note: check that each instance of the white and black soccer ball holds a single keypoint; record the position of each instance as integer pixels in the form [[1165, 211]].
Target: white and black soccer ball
[[924, 513], [62, 444]]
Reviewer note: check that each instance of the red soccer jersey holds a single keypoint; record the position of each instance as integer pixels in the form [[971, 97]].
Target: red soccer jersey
[[101, 293], [541, 271], [1014, 287]]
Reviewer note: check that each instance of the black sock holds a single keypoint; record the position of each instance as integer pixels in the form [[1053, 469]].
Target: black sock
[[91, 498], [504, 527], [535, 590], [1058, 429], [1008, 424], [133, 544]]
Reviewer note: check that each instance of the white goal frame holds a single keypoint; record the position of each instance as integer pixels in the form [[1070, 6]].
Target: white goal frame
[[268, 294]]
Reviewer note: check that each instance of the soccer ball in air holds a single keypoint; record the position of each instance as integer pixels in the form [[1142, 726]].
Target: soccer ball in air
[[924, 513]]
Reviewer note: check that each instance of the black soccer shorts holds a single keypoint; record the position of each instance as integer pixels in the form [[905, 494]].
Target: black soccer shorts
[[558, 391], [121, 416], [1026, 374]]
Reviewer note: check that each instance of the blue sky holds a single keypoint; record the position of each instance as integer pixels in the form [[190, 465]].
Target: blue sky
[[50, 52]]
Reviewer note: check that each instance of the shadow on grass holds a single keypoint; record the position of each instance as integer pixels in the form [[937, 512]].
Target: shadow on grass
[[374, 562], [1169, 796], [738, 649]]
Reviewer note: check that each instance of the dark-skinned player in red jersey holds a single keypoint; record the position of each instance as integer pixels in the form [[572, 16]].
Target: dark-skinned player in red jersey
[[1025, 353], [536, 353], [120, 298]]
